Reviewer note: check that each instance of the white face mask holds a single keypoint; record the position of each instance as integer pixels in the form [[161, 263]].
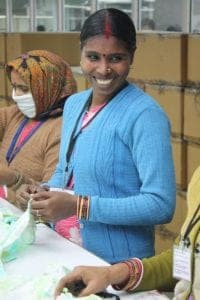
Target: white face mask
[[25, 104]]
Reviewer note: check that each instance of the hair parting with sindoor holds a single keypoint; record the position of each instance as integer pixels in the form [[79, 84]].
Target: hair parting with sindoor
[[110, 22]]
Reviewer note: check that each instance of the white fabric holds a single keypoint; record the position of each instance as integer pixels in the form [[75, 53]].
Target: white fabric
[[16, 234], [25, 104], [49, 249]]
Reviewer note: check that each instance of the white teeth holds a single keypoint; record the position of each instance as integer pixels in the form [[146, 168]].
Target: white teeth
[[104, 81]]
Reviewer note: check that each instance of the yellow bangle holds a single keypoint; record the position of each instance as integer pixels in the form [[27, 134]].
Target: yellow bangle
[[83, 204]]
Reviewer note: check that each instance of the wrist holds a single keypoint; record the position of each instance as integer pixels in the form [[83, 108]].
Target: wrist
[[118, 274], [135, 275]]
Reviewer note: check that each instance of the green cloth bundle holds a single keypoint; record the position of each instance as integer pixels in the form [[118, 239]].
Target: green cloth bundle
[[16, 233]]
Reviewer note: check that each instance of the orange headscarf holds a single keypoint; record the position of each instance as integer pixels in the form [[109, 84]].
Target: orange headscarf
[[49, 78]]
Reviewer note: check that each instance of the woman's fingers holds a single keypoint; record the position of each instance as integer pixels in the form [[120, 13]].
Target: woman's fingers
[[66, 281], [22, 200], [93, 279], [24, 194]]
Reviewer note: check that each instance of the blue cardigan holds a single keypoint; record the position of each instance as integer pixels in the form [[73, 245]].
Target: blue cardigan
[[123, 160]]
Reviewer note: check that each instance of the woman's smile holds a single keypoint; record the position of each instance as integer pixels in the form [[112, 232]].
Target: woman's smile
[[103, 83]]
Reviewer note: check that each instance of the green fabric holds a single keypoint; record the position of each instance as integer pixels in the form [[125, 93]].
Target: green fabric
[[16, 234], [158, 269], [40, 287], [158, 273], [43, 287], [184, 288]]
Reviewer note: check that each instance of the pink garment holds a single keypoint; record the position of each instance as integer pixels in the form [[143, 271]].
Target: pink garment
[[70, 227], [91, 113], [25, 131], [2, 192]]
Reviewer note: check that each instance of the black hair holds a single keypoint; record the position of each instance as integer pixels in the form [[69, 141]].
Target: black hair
[[121, 26], [41, 28], [175, 27]]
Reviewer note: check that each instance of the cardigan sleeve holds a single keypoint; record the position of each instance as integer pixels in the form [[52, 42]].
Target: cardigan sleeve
[[157, 273]]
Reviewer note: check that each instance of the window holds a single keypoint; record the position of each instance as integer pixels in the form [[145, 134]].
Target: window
[[2, 16], [69, 15], [125, 5], [162, 15], [75, 13], [46, 15], [20, 21], [195, 16], [147, 15]]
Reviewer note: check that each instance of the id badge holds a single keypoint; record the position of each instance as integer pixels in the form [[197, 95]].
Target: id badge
[[182, 263]]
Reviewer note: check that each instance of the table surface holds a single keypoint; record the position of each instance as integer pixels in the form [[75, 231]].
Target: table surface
[[50, 248]]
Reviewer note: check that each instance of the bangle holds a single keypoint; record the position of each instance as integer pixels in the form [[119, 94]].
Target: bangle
[[135, 275], [139, 270], [121, 286], [83, 204]]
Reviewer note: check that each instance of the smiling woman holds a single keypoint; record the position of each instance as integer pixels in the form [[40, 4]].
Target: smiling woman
[[115, 150], [106, 69]]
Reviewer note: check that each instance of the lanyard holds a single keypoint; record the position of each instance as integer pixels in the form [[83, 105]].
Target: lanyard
[[74, 136], [192, 223], [13, 149]]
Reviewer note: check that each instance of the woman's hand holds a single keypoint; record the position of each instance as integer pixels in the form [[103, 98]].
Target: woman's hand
[[24, 193], [95, 279], [53, 206], [7, 176]]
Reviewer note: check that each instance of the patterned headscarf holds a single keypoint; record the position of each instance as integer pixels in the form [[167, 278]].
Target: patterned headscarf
[[49, 79]]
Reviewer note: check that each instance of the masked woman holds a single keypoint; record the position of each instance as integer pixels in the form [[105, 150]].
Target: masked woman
[[30, 130]]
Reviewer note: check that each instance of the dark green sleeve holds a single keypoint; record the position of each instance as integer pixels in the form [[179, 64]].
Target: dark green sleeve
[[157, 273]]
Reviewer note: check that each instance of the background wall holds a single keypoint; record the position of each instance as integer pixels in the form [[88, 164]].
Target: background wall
[[167, 66]]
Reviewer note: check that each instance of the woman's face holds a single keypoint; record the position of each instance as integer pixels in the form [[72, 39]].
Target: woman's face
[[105, 62], [18, 84]]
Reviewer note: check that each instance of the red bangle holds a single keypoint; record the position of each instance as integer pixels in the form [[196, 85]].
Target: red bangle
[[122, 285], [135, 275], [138, 274]]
